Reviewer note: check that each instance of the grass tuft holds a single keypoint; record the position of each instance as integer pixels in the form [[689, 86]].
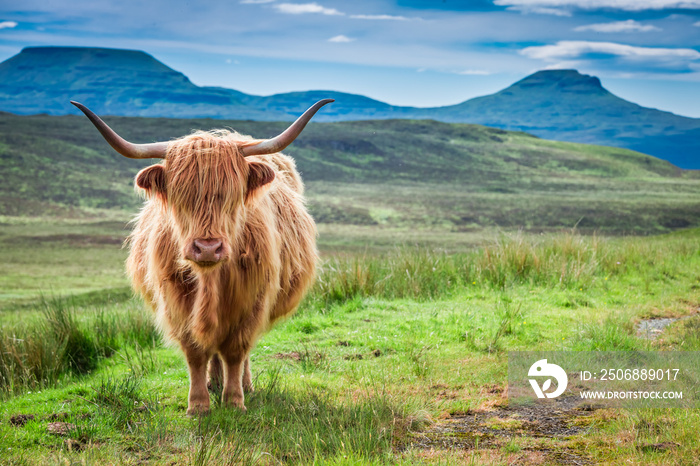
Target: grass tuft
[[567, 261], [65, 339]]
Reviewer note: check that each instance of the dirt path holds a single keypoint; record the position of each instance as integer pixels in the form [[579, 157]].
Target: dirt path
[[538, 433], [533, 434]]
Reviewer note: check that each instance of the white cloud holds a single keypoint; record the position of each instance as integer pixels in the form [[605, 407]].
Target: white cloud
[[563, 65], [576, 48], [618, 26], [562, 7], [302, 8], [340, 39], [697, 24], [614, 56], [542, 10], [475, 72], [380, 17], [8, 24]]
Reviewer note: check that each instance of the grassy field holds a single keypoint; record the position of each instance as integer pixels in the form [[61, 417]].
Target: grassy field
[[398, 175], [444, 247], [398, 355]]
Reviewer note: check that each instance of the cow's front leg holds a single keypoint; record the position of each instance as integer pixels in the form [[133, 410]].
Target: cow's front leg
[[247, 376], [233, 380], [198, 400]]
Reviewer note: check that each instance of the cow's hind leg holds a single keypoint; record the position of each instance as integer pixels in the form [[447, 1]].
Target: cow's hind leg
[[233, 379], [247, 376], [198, 400], [215, 374]]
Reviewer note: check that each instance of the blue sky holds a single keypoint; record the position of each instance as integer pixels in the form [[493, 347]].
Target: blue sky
[[406, 52]]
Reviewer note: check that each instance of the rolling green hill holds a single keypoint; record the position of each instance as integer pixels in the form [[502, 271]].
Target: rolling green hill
[[388, 175], [555, 104]]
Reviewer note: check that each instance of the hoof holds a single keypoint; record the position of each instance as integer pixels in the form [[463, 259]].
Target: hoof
[[197, 410], [239, 406], [236, 404]]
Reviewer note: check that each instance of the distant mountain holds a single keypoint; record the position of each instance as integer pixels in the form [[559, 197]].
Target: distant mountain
[[555, 104], [113, 82], [568, 106]]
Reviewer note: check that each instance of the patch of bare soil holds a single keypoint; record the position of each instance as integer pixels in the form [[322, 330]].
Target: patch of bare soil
[[60, 428], [19, 420], [557, 421]]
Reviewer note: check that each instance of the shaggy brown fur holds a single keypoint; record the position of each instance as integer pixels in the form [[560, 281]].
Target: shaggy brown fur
[[207, 189]]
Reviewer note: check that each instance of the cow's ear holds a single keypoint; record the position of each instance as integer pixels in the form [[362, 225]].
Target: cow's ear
[[259, 175], [152, 179]]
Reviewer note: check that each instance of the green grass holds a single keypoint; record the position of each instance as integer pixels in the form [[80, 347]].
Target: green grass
[[38, 352], [562, 261], [61, 256], [434, 266], [388, 343]]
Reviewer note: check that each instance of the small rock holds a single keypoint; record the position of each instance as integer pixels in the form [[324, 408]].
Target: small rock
[[18, 420], [60, 428]]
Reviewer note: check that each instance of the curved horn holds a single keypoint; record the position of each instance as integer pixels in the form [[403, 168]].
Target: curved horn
[[154, 150], [278, 143]]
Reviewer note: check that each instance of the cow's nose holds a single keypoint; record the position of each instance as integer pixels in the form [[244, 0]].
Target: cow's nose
[[207, 251]]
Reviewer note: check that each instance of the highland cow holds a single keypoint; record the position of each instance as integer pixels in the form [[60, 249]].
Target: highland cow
[[223, 247]]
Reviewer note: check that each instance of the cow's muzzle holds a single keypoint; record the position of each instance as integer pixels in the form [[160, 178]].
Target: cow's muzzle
[[206, 252]]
